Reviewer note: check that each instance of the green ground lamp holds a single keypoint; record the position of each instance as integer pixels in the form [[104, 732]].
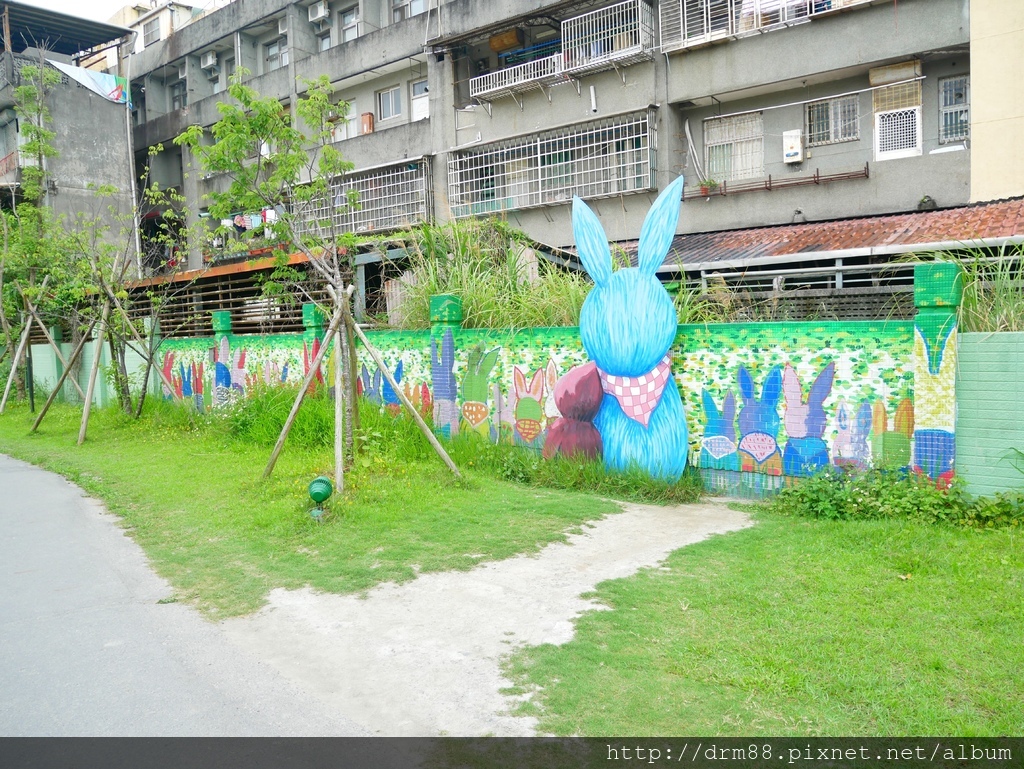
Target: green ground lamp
[[320, 489]]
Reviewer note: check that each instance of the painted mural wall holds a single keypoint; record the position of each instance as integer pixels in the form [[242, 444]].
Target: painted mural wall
[[757, 403]]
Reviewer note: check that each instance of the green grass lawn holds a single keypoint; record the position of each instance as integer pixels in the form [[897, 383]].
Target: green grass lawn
[[195, 501], [798, 627]]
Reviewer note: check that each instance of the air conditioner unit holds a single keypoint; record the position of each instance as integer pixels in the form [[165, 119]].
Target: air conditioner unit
[[182, 71], [319, 11], [282, 25], [793, 146], [209, 60]]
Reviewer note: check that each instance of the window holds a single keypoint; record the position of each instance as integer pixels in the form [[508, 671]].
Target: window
[[954, 108], [389, 103], [150, 32], [898, 133], [349, 23], [229, 69], [420, 100], [345, 121], [898, 121], [179, 95], [734, 147], [323, 41], [403, 9], [277, 53], [833, 120]]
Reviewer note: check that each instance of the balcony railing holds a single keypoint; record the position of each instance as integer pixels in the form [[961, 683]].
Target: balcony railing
[[617, 35], [609, 37], [372, 200], [521, 77], [687, 23], [603, 158], [9, 169]]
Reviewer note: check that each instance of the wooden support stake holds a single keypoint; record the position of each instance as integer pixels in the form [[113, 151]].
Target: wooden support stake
[[14, 363], [54, 345], [143, 347], [339, 404], [97, 353], [67, 372], [406, 402], [313, 366]]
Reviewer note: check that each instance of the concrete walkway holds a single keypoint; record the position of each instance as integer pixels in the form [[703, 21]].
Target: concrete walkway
[[86, 650]]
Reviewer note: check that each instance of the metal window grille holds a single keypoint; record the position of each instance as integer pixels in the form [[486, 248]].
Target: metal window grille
[[591, 160], [954, 108], [687, 23], [898, 133], [150, 32], [734, 147], [833, 120], [894, 97], [617, 34], [380, 199]]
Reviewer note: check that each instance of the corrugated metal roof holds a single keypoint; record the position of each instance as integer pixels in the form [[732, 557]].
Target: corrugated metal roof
[[34, 27], [896, 232]]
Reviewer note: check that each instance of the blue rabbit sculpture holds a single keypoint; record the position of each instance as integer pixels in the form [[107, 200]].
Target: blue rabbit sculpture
[[628, 323]]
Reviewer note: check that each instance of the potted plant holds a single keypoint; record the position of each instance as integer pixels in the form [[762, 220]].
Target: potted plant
[[707, 186]]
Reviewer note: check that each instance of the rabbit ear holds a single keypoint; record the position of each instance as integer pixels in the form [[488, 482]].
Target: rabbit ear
[[791, 387], [822, 385], [842, 414], [864, 419], [709, 406], [551, 374], [659, 228], [537, 384], [746, 385], [518, 381], [905, 418], [879, 419], [398, 372], [591, 242], [772, 388], [729, 409]]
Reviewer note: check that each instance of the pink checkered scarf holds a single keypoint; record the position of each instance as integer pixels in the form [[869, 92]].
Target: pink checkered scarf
[[638, 395]]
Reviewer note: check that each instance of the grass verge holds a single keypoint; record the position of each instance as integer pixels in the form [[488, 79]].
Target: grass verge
[[798, 627], [191, 495]]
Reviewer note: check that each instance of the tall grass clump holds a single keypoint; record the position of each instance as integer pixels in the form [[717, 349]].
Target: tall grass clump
[[993, 289], [484, 264], [259, 417]]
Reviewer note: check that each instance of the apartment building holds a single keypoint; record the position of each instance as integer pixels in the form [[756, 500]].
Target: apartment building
[[777, 112], [87, 114]]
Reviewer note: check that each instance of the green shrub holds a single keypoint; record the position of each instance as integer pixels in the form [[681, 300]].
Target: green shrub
[[259, 417], [878, 494]]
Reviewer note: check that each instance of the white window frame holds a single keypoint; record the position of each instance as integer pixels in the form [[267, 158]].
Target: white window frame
[[323, 41], [889, 116], [279, 58], [945, 88], [840, 128], [151, 26], [734, 147], [419, 102], [348, 30], [406, 9], [346, 127], [394, 98]]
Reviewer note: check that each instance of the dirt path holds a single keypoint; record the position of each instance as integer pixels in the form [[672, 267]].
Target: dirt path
[[423, 659]]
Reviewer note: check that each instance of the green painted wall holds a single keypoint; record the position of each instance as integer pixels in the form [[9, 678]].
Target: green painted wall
[[989, 393]]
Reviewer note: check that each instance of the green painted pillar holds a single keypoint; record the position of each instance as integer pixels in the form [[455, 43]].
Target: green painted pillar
[[445, 313], [221, 324], [313, 322], [938, 292]]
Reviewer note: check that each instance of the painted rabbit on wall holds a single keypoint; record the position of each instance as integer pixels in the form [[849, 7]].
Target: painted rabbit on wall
[[628, 323], [851, 447], [759, 424], [718, 446], [529, 406], [806, 451]]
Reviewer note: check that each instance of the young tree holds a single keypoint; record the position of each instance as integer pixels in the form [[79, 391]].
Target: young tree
[[293, 168]]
